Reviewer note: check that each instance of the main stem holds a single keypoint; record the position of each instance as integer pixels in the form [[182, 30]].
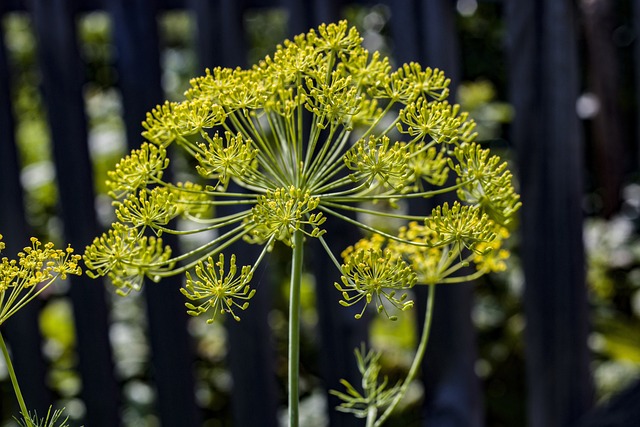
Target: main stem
[[294, 328], [14, 382]]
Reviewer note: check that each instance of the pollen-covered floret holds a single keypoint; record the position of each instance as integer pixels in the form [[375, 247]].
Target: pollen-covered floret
[[461, 225], [35, 269], [217, 290], [280, 213], [436, 121], [375, 275], [140, 168], [486, 182], [226, 158], [126, 257], [377, 161]]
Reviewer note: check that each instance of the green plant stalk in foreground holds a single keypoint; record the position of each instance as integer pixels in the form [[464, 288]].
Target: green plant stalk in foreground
[[14, 381], [320, 130], [417, 361]]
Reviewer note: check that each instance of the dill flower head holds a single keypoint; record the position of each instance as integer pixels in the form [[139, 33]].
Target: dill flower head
[[35, 269], [319, 129]]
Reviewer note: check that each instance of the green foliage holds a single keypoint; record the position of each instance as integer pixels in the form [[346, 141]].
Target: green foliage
[[376, 394], [478, 97], [613, 260], [52, 419]]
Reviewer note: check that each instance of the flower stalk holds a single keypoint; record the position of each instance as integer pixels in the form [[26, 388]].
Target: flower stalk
[[21, 280], [417, 361], [294, 328], [14, 382]]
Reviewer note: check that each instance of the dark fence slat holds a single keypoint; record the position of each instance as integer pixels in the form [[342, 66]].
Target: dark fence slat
[[325, 11], [543, 85], [621, 410], [340, 332], [437, 28], [251, 356], [62, 84], [299, 16], [22, 330], [405, 30], [220, 35], [138, 62], [636, 56], [426, 32], [606, 127]]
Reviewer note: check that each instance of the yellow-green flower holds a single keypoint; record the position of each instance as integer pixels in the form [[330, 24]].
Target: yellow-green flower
[[219, 291], [35, 269], [372, 274], [317, 131]]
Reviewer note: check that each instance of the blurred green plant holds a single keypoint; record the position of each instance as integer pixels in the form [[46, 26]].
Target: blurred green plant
[[613, 274], [52, 419], [32, 133], [478, 98]]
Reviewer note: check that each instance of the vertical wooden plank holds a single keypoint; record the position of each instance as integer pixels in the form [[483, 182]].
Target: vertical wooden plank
[[251, 357], [620, 410], [544, 88], [424, 31], [325, 11], [299, 16], [22, 330], [405, 31], [62, 85], [138, 63], [440, 47], [636, 53], [220, 35], [611, 165], [452, 389], [340, 332]]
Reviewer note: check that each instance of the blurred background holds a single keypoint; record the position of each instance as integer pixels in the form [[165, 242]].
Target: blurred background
[[554, 341]]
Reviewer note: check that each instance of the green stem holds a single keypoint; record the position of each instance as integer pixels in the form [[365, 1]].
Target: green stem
[[14, 382], [417, 361], [372, 413], [294, 328]]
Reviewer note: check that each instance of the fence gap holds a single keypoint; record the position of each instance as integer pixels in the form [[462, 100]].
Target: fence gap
[[135, 34], [62, 86]]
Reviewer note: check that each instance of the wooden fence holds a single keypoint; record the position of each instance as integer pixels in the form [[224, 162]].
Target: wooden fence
[[543, 71]]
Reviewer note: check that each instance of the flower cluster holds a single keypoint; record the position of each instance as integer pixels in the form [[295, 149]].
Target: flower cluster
[[35, 269], [438, 250], [317, 130], [219, 292], [373, 274]]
